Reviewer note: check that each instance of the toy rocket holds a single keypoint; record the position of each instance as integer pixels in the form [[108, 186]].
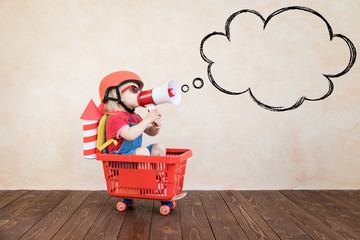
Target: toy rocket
[[90, 117]]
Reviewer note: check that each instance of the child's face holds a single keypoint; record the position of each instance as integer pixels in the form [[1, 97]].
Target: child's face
[[129, 94]]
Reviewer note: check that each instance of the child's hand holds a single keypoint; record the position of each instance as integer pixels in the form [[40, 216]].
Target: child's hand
[[152, 116]]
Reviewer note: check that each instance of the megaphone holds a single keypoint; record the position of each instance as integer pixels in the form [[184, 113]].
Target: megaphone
[[167, 93]]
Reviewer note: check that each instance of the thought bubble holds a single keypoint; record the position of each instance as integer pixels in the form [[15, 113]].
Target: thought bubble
[[280, 63]]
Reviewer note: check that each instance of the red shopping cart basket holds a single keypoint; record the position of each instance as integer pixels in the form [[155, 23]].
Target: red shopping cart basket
[[146, 177]]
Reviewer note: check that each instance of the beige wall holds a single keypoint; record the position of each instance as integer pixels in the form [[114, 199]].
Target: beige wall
[[53, 55]]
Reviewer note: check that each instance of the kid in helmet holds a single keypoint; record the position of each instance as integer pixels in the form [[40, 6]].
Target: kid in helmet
[[118, 93]]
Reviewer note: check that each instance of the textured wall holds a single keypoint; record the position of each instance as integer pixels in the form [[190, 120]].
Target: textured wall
[[53, 55]]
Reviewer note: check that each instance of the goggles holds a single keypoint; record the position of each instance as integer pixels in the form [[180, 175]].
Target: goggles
[[133, 88]]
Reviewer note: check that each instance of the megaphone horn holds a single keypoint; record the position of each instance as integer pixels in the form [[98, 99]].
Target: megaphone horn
[[167, 93]]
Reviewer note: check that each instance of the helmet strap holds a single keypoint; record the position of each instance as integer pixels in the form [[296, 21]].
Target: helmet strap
[[118, 99], [122, 103]]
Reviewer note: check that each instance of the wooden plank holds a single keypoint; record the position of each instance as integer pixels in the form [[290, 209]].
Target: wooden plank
[[333, 221], [19, 206], [165, 227], [108, 223], [334, 200], [351, 195], [307, 222], [83, 218], [194, 223], [276, 219], [24, 218], [7, 197], [54, 220], [250, 221], [222, 222], [137, 221]]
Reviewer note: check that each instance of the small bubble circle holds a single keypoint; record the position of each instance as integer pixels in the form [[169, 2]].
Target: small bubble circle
[[198, 83], [185, 88]]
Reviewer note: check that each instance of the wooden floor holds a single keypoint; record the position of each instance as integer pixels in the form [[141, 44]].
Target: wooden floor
[[201, 215]]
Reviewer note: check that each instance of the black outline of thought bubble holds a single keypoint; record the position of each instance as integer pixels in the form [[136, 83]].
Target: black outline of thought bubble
[[265, 21]]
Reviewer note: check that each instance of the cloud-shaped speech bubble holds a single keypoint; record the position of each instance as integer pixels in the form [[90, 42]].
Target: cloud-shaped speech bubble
[[280, 63]]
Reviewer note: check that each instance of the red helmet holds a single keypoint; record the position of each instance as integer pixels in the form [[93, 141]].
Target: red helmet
[[117, 79]]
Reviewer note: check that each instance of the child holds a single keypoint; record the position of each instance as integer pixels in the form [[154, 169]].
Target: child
[[119, 94]]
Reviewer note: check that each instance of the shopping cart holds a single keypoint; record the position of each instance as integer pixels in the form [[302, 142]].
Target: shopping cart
[[146, 177]]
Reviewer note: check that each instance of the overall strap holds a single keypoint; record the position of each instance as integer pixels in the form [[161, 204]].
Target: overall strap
[[137, 118], [129, 119]]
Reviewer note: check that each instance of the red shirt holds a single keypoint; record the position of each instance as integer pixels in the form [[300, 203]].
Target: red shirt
[[115, 124]]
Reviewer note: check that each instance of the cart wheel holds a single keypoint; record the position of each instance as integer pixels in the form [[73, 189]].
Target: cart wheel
[[164, 210], [121, 206], [173, 204]]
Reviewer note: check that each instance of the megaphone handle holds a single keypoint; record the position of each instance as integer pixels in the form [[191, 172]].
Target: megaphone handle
[[152, 107]]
